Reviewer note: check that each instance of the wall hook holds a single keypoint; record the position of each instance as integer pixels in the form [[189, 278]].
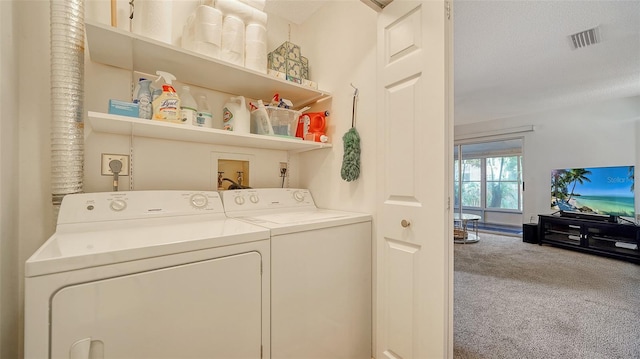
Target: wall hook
[[355, 93], [353, 109]]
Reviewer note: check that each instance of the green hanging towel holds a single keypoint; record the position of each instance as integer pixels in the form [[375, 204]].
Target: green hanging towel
[[351, 158]]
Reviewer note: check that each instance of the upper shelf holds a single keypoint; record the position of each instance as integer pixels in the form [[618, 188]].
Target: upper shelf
[[122, 125], [126, 50]]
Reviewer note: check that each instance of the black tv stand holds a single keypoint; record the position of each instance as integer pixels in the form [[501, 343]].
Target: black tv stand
[[589, 216], [591, 234], [626, 220]]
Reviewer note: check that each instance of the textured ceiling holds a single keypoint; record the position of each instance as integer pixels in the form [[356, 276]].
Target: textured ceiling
[[296, 11], [514, 57]]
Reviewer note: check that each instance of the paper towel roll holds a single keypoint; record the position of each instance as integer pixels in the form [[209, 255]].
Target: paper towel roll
[[208, 33], [232, 49], [188, 33], [256, 48], [245, 12], [123, 10], [256, 4], [206, 48], [256, 56], [256, 32], [205, 13], [153, 18]]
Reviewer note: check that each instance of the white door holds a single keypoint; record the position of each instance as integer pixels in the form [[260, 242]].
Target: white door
[[208, 309], [414, 239]]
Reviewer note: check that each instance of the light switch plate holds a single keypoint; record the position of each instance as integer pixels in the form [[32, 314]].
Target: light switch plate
[[108, 157]]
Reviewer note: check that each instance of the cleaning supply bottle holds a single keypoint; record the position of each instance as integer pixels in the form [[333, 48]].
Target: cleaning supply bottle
[[260, 123], [188, 106], [166, 107], [144, 99], [136, 90], [204, 117], [235, 115]]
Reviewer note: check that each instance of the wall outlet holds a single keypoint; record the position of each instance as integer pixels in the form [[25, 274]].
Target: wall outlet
[[284, 170], [107, 158]]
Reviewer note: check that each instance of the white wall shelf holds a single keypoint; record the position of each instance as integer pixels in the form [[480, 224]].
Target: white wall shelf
[[130, 126], [126, 50]]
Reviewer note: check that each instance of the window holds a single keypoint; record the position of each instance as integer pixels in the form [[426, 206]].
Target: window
[[503, 178], [471, 182], [491, 176]]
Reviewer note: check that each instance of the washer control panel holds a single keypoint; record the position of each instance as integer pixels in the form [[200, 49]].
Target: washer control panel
[[105, 206], [266, 198]]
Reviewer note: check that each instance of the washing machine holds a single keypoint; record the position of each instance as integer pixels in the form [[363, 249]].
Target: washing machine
[[321, 289], [148, 274]]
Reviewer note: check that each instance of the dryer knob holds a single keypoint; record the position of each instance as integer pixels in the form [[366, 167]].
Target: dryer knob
[[118, 205], [254, 198], [298, 196], [239, 200], [199, 200]]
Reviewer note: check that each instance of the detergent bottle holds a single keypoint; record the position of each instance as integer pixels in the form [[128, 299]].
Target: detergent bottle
[[204, 117], [235, 115], [166, 107], [260, 123], [188, 108]]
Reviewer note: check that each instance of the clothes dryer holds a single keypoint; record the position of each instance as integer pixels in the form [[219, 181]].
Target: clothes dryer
[[148, 274], [321, 289]]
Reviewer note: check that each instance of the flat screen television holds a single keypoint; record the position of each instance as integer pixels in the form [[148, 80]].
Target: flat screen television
[[594, 190]]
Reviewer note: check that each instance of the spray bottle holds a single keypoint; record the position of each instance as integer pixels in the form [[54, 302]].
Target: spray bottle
[[144, 99], [166, 107], [260, 123]]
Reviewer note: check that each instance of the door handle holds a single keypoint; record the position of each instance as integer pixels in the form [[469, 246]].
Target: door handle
[[404, 223]]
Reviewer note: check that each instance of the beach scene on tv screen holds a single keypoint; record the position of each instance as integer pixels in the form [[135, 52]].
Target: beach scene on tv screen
[[598, 190]]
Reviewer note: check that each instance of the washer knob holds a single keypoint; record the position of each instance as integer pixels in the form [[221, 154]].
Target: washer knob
[[118, 205], [239, 200], [254, 198], [298, 196], [199, 200]]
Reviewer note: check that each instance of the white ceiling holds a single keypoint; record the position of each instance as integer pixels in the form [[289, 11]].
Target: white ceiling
[[513, 58], [296, 11]]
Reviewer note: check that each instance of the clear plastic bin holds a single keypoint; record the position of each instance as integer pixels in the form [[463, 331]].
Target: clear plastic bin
[[283, 121]]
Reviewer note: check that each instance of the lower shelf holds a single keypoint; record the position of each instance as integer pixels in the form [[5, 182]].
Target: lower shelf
[[122, 125]]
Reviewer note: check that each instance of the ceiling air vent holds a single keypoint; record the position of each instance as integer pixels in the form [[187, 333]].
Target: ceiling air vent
[[377, 5], [585, 38]]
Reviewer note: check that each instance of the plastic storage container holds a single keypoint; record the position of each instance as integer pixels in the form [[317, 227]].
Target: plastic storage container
[[283, 121]]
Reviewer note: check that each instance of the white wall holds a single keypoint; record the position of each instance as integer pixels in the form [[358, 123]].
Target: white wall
[[35, 222], [35, 211], [9, 280], [189, 166], [160, 164], [340, 42], [593, 135]]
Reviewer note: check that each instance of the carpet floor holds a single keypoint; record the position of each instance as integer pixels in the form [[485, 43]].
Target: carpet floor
[[520, 300]]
